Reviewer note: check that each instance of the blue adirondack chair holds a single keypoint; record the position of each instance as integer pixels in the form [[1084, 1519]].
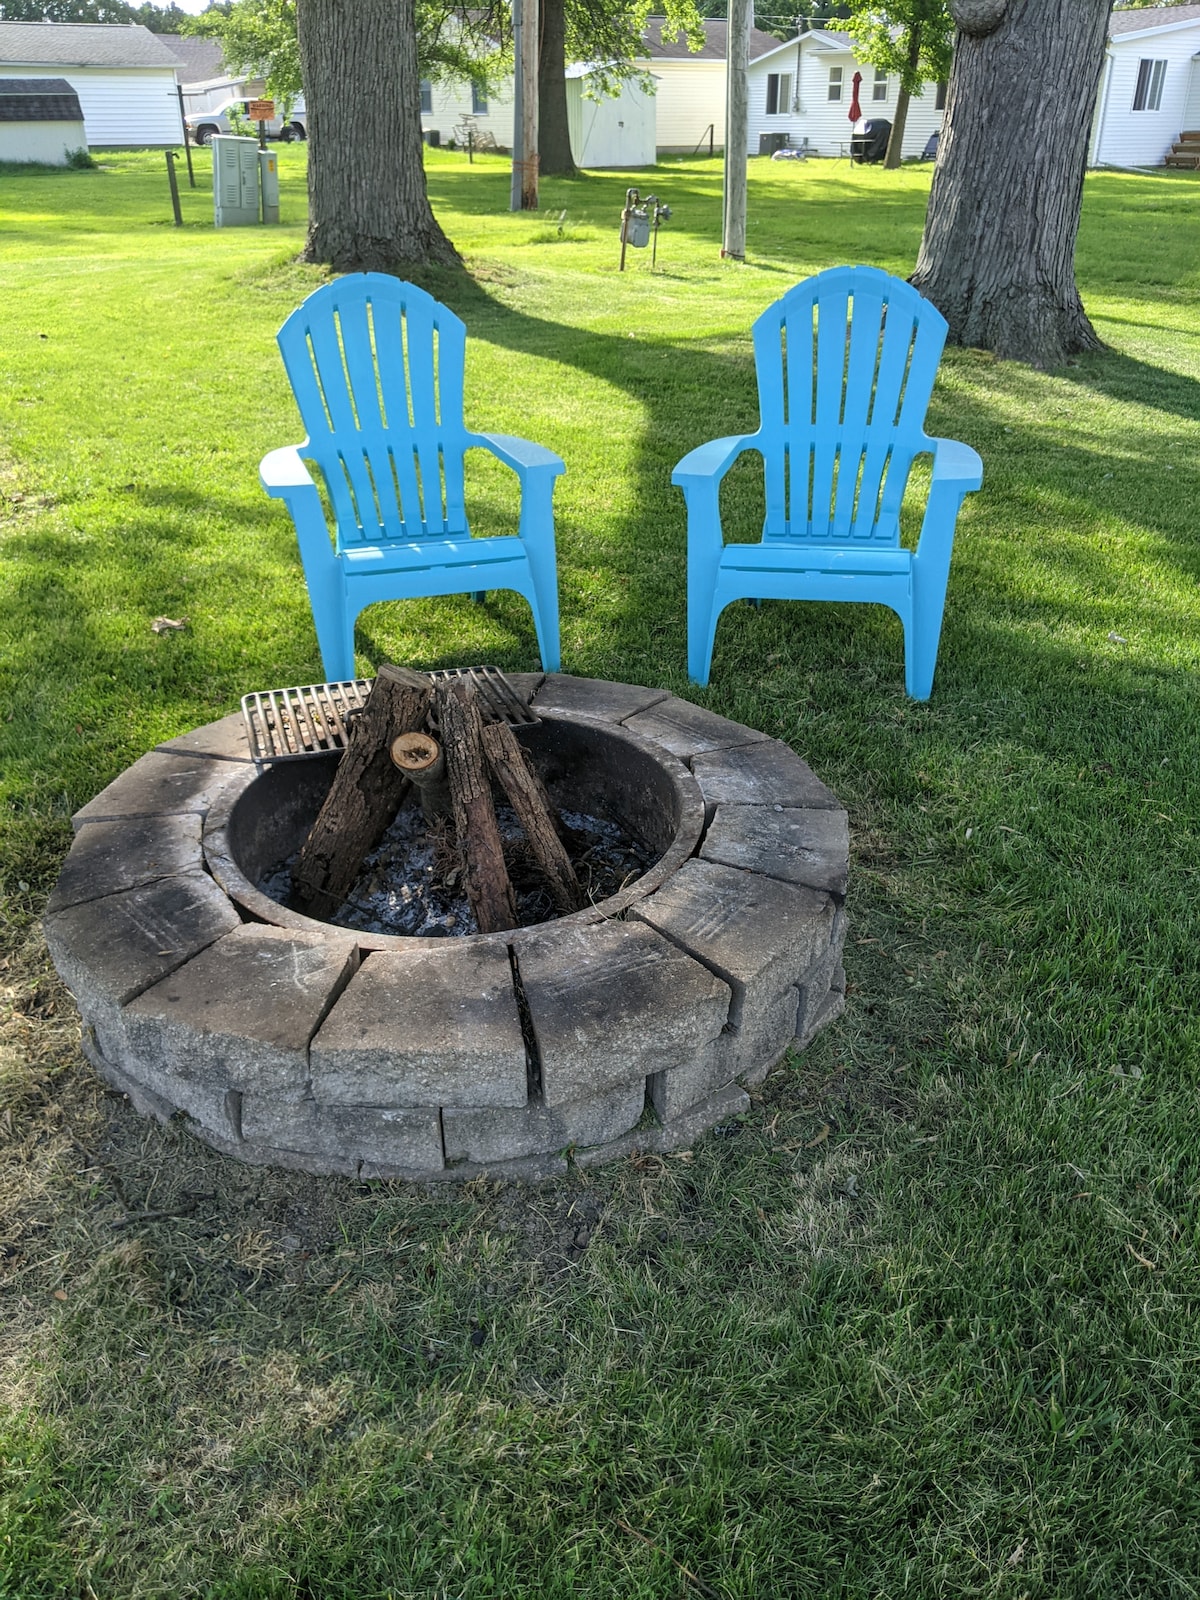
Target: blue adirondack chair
[[376, 366], [845, 364]]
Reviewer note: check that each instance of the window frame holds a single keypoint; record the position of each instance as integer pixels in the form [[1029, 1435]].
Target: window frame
[[1148, 89], [479, 100], [836, 82], [426, 97], [779, 94], [879, 88]]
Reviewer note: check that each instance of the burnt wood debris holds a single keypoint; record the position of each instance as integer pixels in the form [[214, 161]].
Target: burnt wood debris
[[411, 735]]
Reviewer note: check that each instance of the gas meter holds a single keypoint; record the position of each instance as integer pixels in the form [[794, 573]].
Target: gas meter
[[640, 222]]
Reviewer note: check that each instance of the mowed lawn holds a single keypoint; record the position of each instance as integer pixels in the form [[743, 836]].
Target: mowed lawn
[[927, 1321]]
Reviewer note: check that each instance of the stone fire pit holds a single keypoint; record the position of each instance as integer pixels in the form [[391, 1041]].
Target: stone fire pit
[[632, 1025]]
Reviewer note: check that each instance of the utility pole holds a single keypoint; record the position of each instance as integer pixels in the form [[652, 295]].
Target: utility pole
[[526, 35], [737, 60]]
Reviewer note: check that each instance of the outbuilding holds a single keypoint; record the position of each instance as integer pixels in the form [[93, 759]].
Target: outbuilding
[[609, 130], [40, 120], [124, 78]]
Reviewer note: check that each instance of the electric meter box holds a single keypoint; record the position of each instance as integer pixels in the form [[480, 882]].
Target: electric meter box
[[235, 181], [268, 165]]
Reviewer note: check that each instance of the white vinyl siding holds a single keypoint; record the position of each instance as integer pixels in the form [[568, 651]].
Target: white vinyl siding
[[452, 102], [689, 97], [121, 105], [1125, 137]]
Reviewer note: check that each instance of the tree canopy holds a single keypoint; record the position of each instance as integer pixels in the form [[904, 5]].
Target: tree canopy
[[159, 19]]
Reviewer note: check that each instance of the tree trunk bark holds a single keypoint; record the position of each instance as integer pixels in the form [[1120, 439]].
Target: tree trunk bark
[[896, 137], [368, 208], [554, 135], [365, 794], [998, 253], [528, 798], [895, 149], [486, 880]]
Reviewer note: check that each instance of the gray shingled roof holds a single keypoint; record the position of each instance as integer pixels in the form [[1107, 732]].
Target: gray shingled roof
[[713, 49], [81, 44], [38, 100], [199, 59], [1141, 18]]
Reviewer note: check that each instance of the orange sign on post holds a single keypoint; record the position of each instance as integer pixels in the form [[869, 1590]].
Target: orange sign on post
[[261, 110]]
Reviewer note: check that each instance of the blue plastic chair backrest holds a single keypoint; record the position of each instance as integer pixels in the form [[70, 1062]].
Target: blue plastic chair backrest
[[846, 363], [376, 366]]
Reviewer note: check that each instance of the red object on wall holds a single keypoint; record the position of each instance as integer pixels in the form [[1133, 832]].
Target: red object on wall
[[855, 109]]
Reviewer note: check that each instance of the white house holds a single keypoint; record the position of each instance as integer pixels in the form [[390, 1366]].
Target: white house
[[690, 84], [40, 120], [805, 89], [124, 77], [1150, 90], [200, 68]]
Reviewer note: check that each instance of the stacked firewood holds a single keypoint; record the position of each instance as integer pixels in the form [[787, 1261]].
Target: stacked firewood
[[411, 734]]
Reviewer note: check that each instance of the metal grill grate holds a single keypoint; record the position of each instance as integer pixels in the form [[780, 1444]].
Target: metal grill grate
[[314, 718]]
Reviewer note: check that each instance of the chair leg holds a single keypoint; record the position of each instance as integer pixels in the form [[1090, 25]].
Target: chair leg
[[335, 635], [543, 602]]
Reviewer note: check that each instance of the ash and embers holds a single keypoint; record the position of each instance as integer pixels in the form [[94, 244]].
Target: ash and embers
[[411, 883]]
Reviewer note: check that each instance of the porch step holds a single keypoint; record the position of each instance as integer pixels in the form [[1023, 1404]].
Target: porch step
[[1191, 160]]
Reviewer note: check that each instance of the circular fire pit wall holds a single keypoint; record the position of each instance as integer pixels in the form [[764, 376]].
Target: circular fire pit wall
[[633, 1024]]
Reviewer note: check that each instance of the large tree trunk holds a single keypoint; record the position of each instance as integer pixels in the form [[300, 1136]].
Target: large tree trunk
[[998, 252], [554, 137], [367, 204]]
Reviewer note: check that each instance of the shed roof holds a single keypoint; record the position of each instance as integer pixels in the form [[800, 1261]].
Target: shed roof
[[38, 100], [1145, 19], [81, 44], [197, 59], [716, 33]]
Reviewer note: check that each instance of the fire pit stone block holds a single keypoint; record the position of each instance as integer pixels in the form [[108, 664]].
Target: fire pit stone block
[[382, 1135], [595, 697], [489, 1136], [108, 857], [686, 729], [800, 845], [437, 1025], [613, 1001], [766, 774], [161, 783], [240, 1014]]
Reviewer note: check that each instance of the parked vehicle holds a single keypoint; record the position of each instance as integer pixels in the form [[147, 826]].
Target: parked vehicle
[[201, 125]]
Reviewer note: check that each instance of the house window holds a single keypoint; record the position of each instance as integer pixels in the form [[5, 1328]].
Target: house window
[[779, 93], [1147, 96], [478, 100], [939, 103], [835, 83], [426, 97], [880, 87]]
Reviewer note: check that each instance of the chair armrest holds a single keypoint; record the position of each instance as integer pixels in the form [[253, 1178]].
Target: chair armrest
[[713, 460], [281, 472], [956, 463], [519, 454]]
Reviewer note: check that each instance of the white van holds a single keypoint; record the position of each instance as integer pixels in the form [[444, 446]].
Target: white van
[[201, 125]]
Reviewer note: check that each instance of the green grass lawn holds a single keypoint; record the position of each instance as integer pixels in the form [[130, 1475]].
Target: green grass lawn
[[929, 1324]]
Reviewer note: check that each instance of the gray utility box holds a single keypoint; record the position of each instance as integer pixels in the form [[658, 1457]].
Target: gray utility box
[[235, 181], [268, 167]]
